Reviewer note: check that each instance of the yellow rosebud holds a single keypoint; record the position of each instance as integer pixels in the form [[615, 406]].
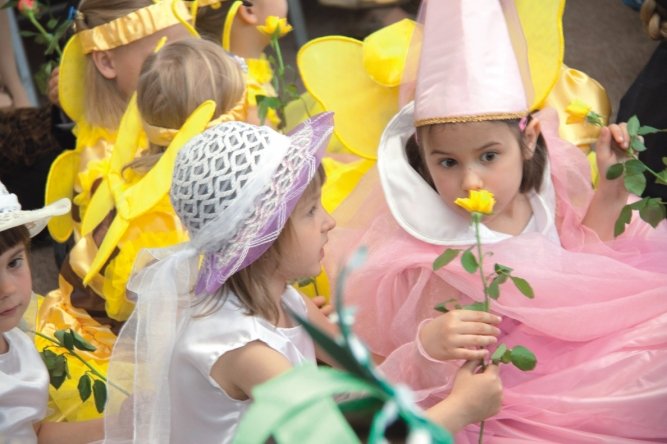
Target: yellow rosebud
[[577, 111], [478, 201], [275, 26]]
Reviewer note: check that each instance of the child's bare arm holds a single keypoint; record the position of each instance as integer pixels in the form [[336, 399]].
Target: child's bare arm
[[317, 317], [611, 195], [239, 370], [79, 432]]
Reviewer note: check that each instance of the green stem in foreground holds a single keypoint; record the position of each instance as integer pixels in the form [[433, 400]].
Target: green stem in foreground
[[477, 218], [76, 355]]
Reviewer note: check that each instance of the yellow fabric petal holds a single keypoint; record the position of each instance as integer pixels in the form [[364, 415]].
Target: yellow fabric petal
[[574, 84], [333, 72], [385, 52], [70, 79], [59, 184], [342, 178], [542, 27]]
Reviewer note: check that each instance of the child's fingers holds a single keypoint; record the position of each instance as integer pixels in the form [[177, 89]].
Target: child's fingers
[[471, 365], [478, 328], [603, 145], [620, 135], [474, 340], [478, 316], [470, 354]]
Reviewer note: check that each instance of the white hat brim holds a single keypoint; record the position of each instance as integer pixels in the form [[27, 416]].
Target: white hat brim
[[34, 220]]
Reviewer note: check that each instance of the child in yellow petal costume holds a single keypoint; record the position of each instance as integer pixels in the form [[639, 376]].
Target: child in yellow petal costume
[[234, 24], [183, 88]]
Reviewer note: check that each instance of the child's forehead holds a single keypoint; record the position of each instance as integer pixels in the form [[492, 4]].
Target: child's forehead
[[483, 131]]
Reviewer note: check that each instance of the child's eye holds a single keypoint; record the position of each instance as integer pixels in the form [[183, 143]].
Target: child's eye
[[16, 262], [448, 163], [312, 210], [488, 156]]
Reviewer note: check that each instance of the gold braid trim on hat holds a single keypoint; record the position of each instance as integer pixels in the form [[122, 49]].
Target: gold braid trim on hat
[[473, 118], [134, 26], [163, 136]]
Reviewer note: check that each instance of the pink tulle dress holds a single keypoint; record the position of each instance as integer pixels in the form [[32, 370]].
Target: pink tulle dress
[[598, 322]]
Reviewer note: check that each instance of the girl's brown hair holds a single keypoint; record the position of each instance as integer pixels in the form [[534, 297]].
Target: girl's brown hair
[[180, 77], [104, 104], [249, 284], [14, 236], [533, 165]]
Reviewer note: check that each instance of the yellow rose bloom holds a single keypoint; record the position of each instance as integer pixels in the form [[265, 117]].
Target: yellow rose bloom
[[275, 26], [478, 201], [577, 111]]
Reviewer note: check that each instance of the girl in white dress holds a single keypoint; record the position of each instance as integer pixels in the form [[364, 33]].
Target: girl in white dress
[[24, 379]]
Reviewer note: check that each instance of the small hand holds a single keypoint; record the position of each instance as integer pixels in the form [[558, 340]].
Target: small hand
[[53, 87], [479, 394], [459, 334], [323, 305], [611, 148]]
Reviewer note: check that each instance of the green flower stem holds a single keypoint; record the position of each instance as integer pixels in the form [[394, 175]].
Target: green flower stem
[[281, 80], [477, 218], [42, 31], [76, 355], [635, 156]]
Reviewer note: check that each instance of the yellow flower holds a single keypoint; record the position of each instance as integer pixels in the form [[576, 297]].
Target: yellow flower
[[577, 111], [478, 201], [275, 26]]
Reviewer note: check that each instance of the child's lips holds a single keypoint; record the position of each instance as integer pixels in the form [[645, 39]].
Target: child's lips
[[9, 311]]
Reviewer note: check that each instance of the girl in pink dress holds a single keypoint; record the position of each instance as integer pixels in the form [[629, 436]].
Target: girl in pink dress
[[598, 321]]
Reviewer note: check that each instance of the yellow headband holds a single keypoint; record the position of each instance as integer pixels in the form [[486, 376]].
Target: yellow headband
[[134, 26], [229, 21], [163, 136]]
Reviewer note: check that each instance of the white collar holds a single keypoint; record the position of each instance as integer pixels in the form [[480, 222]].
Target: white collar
[[419, 209]]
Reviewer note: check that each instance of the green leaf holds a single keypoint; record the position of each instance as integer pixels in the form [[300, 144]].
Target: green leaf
[[502, 269], [49, 359], [636, 206], [624, 218], [637, 144], [27, 33], [522, 358], [445, 258], [633, 126], [68, 340], [653, 212], [81, 343], [634, 166], [52, 23], [84, 387], [500, 354], [444, 307], [635, 184], [100, 395], [664, 161], [493, 291], [662, 178], [57, 381], [59, 334], [476, 306], [469, 262], [523, 286], [614, 171], [645, 129]]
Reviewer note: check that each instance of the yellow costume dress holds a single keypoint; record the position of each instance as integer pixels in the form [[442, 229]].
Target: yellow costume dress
[[97, 308]]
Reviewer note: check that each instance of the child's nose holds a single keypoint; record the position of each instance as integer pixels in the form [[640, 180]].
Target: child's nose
[[329, 222], [472, 180]]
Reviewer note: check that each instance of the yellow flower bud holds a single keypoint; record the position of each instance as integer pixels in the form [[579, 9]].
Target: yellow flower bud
[[577, 111], [478, 201], [275, 26]]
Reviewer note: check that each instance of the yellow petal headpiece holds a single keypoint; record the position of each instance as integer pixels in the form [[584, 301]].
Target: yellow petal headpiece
[[134, 26]]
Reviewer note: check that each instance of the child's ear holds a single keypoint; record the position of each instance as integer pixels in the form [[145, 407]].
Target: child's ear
[[531, 135], [104, 62], [247, 14]]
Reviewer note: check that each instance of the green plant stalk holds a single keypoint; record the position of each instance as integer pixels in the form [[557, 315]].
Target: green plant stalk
[[42, 31], [476, 218], [635, 156], [76, 355], [281, 79]]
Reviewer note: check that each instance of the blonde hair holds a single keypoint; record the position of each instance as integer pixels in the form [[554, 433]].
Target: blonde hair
[[104, 104], [654, 17], [180, 77], [249, 284]]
